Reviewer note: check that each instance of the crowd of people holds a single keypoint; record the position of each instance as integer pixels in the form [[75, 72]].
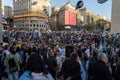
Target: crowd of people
[[60, 56]]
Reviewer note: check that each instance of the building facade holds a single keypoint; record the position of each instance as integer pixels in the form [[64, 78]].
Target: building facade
[[83, 18], [31, 14], [55, 17], [7, 11], [64, 16], [94, 21], [89, 17], [2, 7], [115, 23], [1, 1]]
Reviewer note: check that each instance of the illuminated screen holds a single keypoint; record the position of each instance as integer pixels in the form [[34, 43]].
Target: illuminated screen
[[70, 18]]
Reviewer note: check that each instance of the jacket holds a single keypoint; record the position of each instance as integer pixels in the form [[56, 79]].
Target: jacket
[[16, 58], [71, 68], [100, 71]]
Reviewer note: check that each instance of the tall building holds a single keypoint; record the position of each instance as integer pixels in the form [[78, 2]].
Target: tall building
[[55, 17], [1, 21], [63, 17], [30, 15], [2, 3], [115, 24], [92, 19], [89, 17], [7, 11], [68, 16]]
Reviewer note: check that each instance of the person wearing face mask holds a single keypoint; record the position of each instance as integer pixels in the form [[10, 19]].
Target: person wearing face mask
[[100, 70]]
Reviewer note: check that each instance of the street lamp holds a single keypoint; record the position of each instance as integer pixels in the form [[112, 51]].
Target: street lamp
[[1, 21]]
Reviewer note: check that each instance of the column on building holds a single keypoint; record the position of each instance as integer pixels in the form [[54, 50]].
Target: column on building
[[115, 25]]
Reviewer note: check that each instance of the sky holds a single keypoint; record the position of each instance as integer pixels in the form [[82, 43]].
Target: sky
[[103, 10]]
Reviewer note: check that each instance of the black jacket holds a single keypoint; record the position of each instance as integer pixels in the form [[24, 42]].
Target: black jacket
[[100, 71], [71, 68], [117, 72], [52, 65]]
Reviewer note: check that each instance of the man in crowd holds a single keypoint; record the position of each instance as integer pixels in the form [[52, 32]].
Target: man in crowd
[[117, 71], [100, 70]]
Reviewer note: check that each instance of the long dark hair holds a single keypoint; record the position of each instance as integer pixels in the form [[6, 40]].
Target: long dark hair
[[36, 64], [12, 49], [73, 56]]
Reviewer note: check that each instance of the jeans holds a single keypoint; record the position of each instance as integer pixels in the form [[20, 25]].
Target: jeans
[[13, 76]]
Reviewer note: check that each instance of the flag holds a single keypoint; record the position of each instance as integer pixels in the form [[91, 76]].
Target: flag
[[105, 46], [79, 4], [100, 47]]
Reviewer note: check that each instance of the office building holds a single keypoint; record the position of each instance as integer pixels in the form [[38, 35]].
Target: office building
[[30, 15], [8, 11], [115, 20]]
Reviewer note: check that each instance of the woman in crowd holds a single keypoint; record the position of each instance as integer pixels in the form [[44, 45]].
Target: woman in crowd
[[35, 69], [71, 68]]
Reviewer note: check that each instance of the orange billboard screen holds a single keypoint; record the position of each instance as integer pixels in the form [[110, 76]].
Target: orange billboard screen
[[70, 18]]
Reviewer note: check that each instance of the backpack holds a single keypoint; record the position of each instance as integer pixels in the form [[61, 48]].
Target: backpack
[[2, 58], [12, 65]]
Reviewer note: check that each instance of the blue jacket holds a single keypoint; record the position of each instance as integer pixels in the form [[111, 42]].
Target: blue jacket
[[26, 76]]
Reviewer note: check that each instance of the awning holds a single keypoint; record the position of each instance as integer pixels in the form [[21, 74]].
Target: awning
[[30, 15]]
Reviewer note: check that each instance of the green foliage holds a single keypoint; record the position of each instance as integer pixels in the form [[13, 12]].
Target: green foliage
[[60, 27], [89, 27]]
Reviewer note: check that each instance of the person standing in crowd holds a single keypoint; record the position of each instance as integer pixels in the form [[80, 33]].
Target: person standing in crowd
[[35, 69], [117, 71], [71, 68], [100, 70], [83, 69], [90, 64], [61, 54], [1, 62], [6, 51], [52, 64], [11, 63], [113, 61]]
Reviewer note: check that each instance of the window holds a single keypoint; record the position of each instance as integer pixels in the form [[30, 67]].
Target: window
[[37, 25], [92, 20], [88, 19], [33, 25]]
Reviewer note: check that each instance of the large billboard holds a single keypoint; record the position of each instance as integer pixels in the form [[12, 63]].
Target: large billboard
[[70, 18]]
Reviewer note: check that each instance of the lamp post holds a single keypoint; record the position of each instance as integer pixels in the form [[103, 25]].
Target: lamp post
[[1, 41]]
